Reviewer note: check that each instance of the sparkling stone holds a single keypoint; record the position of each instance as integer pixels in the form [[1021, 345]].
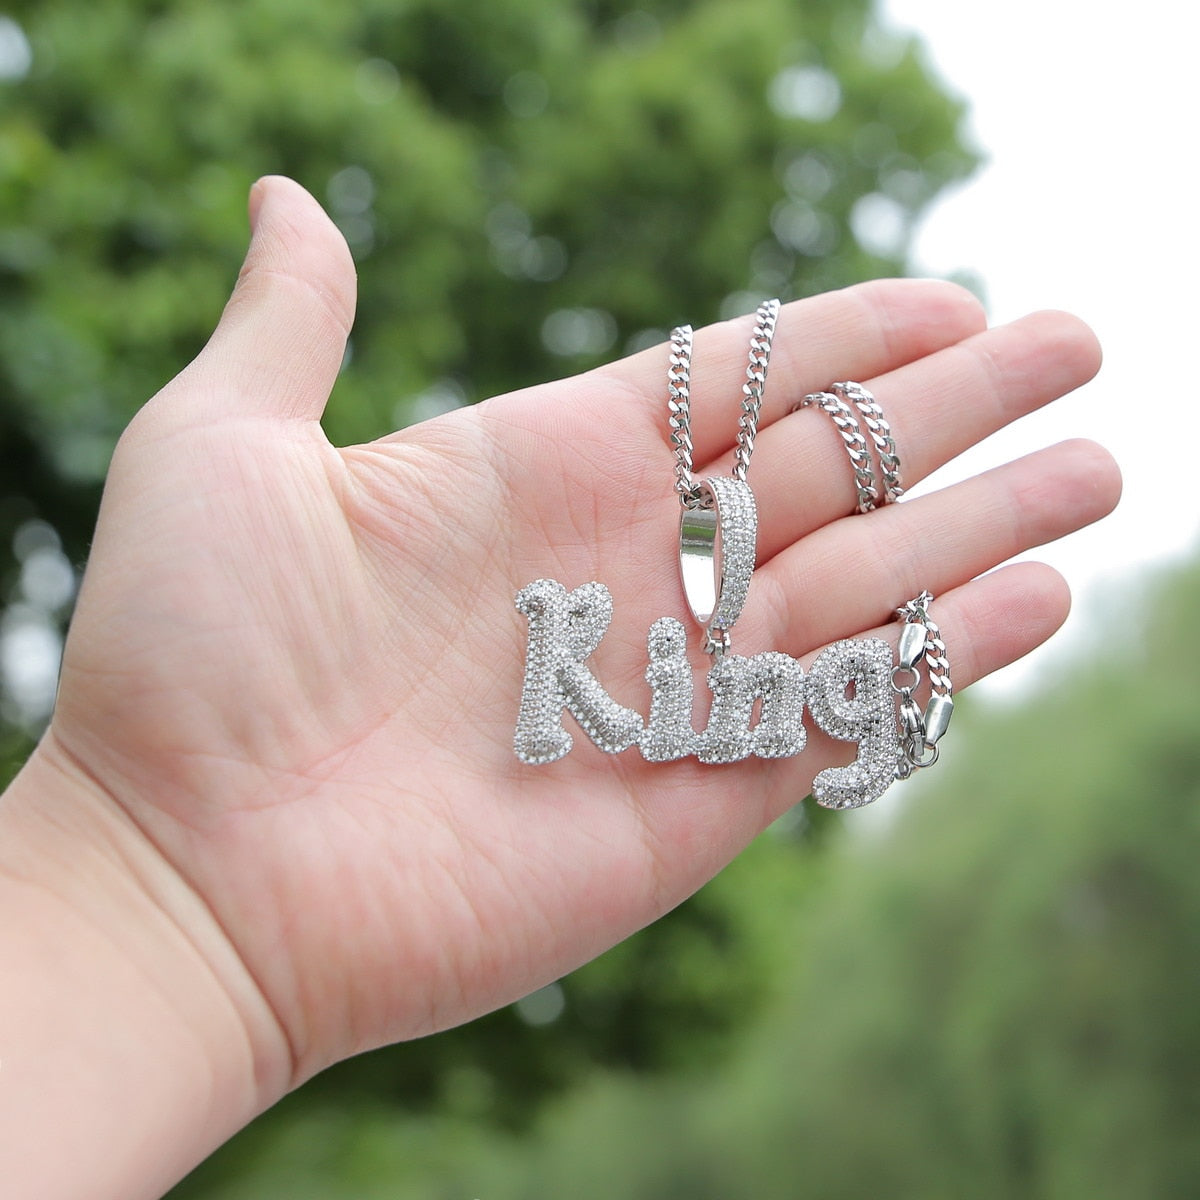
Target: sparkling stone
[[780, 732], [668, 734], [736, 683], [728, 738], [866, 717], [739, 535], [564, 628]]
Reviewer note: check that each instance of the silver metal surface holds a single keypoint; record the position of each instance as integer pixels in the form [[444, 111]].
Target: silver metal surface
[[911, 722], [717, 547], [881, 435], [679, 406], [719, 525], [698, 561], [756, 382], [920, 732], [936, 658], [840, 402], [912, 645], [852, 437], [937, 717]]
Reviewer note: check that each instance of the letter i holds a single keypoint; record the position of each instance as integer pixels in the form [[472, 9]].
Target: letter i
[[668, 734]]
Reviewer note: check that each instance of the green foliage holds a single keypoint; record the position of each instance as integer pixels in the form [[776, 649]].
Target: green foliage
[[529, 187], [491, 164], [996, 998], [665, 999]]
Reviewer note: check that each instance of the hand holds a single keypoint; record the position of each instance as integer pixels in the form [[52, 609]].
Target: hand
[[293, 675]]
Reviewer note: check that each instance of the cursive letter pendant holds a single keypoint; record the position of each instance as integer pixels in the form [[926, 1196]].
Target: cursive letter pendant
[[566, 627]]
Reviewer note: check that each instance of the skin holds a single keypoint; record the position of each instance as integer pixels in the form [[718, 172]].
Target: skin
[[277, 819]]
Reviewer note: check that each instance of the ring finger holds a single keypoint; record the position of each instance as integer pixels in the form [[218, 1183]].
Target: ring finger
[[937, 542]]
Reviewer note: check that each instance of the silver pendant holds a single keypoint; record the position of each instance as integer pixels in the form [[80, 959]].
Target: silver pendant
[[718, 540], [565, 628], [848, 691]]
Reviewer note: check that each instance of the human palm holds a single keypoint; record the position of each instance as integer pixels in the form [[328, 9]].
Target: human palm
[[296, 668]]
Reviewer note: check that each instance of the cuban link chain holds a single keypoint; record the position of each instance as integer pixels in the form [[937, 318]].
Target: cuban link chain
[[920, 732], [881, 435], [679, 380], [847, 426], [680, 408]]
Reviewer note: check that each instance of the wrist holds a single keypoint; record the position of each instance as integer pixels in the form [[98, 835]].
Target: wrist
[[132, 1041]]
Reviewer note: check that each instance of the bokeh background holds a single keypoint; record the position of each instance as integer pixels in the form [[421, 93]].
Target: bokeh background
[[985, 986]]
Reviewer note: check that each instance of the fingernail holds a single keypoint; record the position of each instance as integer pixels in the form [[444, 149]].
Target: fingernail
[[254, 201]]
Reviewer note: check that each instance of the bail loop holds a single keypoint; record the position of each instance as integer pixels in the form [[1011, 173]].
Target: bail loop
[[717, 546]]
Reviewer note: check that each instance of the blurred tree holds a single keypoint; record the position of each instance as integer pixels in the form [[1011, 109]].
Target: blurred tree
[[1013, 982], [529, 187], [997, 999]]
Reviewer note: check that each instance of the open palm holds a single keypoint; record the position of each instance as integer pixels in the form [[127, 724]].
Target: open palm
[[296, 668]]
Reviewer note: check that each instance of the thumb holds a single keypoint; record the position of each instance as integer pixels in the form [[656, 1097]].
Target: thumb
[[280, 342]]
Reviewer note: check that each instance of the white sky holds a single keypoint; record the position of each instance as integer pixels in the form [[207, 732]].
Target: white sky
[[1088, 203]]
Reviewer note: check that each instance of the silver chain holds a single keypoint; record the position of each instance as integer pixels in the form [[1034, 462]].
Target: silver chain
[[840, 402], [680, 405], [920, 731], [856, 445], [756, 381], [881, 435], [935, 647]]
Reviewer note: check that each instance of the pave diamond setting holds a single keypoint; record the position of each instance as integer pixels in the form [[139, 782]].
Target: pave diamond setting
[[564, 628], [863, 665], [717, 547], [847, 691]]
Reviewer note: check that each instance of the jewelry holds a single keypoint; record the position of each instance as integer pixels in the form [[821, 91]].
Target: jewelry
[[564, 628], [856, 445], [920, 731], [679, 408], [862, 667], [718, 526], [847, 690], [717, 545], [756, 382], [881, 436], [837, 403]]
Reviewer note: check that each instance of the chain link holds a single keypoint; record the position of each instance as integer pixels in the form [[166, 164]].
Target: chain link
[[680, 409], [856, 445], [936, 657], [840, 403], [881, 435], [680, 406], [756, 382], [920, 731]]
